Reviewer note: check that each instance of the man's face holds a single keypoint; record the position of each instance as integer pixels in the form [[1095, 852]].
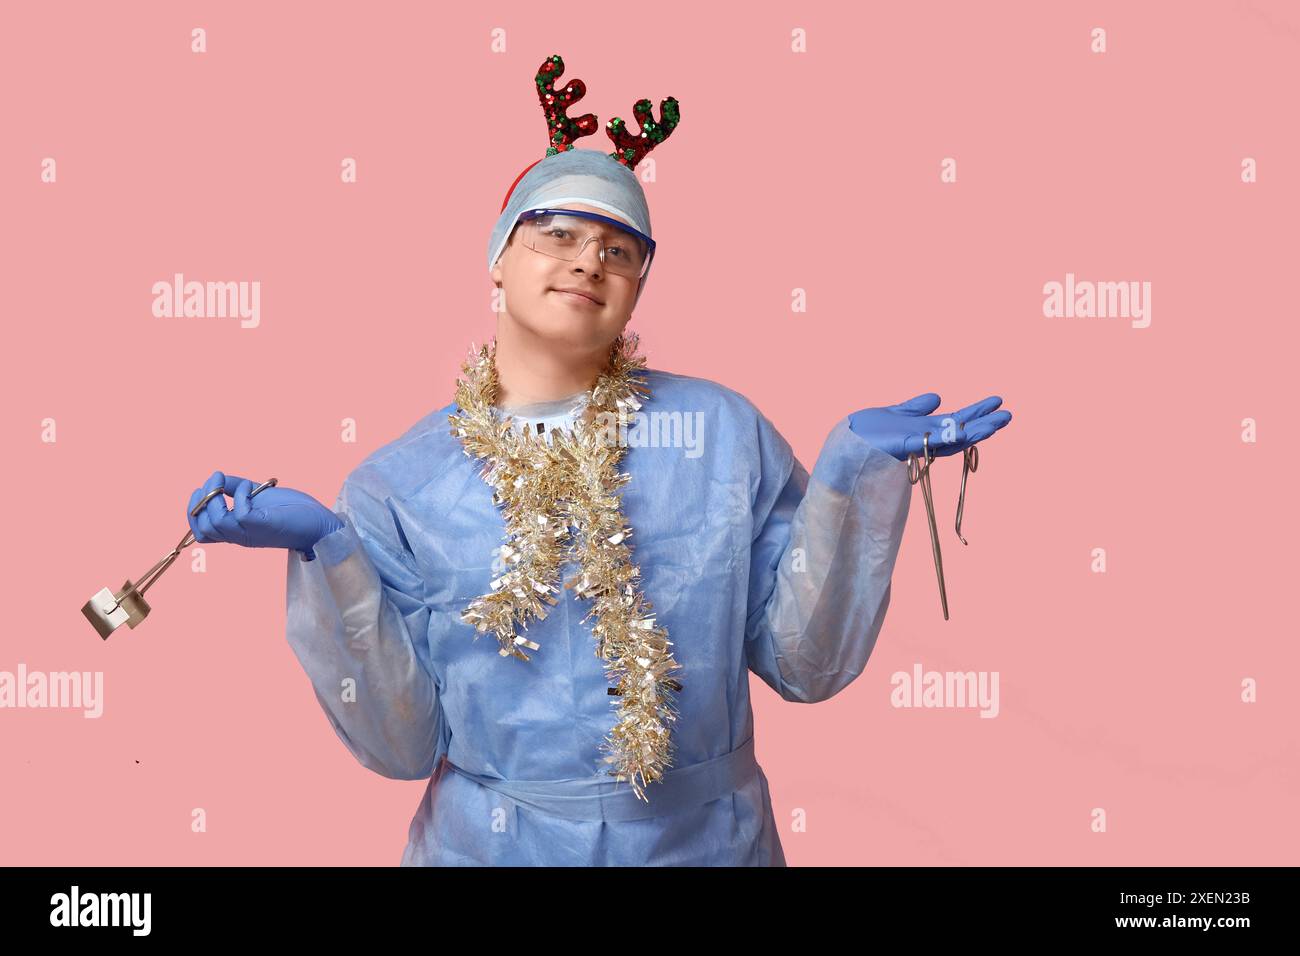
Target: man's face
[[531, 282]]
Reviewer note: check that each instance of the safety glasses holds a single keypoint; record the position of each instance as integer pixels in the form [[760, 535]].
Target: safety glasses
[[564, 234]]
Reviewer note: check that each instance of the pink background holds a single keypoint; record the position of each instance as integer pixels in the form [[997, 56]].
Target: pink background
[[1119, 690]]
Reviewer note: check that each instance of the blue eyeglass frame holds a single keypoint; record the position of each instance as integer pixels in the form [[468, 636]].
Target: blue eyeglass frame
[[582, 214]]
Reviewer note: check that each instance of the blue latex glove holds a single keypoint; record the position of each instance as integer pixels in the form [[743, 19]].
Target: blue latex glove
[[274, 518], [898, 429]]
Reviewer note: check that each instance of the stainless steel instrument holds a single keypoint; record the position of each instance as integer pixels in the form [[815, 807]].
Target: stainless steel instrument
[[107, 611]]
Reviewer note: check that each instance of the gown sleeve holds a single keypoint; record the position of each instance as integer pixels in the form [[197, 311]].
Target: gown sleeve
[[821, 562], [356, 611]]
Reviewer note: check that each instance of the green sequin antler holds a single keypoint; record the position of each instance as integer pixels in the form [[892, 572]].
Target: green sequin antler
[[564, 132], [630, 149]]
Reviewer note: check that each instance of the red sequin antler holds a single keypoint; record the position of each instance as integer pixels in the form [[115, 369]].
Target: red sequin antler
[[631, 149], [555, 103]]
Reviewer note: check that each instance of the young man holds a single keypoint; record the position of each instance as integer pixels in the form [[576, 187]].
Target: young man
[[700, 558]]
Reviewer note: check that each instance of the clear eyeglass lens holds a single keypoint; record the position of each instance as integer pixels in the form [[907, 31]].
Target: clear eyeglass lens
[[565, 237]]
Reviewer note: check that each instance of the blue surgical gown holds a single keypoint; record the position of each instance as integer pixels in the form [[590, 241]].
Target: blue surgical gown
[[751, 563]]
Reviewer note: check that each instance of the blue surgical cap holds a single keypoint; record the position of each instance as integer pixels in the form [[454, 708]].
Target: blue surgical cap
[[575, 176]]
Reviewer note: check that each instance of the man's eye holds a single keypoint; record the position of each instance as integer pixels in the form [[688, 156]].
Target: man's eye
[[621, 252]]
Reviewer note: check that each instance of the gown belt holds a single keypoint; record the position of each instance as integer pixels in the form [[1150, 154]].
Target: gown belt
[[602, 797]]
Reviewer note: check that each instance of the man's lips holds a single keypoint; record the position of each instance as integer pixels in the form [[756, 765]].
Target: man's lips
[[580, 293]]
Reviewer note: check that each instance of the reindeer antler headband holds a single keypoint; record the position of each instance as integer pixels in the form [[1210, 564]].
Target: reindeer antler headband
[[564, 131]]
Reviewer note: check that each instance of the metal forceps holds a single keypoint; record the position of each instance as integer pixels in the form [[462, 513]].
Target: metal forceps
[[107, 611], [970, 463], [918, 472]]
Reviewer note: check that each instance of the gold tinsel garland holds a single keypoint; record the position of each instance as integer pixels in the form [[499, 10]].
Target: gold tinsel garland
[[545, 490]]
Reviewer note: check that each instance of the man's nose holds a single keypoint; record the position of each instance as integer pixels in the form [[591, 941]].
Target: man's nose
[[590, 257]]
